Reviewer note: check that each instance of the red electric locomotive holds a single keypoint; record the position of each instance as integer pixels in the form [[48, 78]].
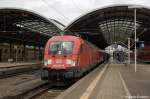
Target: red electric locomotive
[[68, 57]]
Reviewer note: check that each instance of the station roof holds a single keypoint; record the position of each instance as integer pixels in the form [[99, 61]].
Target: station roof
[[113, 24], [26, 27]]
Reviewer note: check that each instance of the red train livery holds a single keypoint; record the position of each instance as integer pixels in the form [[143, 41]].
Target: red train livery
[[69, 57], [143, 54]]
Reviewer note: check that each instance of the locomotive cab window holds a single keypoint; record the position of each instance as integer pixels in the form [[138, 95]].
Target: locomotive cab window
[[60, 47]]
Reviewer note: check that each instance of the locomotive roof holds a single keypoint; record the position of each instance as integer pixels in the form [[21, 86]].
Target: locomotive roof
[[65, 38]]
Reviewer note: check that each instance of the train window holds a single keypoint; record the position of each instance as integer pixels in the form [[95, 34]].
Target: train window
[[60, 47]]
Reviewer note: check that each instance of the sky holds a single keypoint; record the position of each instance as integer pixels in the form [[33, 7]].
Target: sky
[[66, 11]]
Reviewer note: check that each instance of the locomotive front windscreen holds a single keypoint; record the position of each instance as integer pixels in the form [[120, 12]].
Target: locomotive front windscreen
[[60, 47]]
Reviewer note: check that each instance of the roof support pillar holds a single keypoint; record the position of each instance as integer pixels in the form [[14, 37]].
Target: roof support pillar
[[24, 52], [10, 50]]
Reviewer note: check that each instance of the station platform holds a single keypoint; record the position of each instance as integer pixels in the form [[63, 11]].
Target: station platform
[[112, 81], [16, 64], [9, 69]]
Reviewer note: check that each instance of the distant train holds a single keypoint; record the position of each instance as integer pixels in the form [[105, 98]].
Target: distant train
[[120, 56], [143, 54], [69, 57]]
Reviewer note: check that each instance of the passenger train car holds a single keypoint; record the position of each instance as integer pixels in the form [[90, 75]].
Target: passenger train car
[[69, 57], [143, 54]]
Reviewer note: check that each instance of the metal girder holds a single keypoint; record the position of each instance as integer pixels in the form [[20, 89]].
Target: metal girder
[[115, 23], [26, 26]]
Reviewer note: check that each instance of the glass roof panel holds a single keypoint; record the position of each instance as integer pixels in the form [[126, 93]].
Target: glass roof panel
[[117, 29]]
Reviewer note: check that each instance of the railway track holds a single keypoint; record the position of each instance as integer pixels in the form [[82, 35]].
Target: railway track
[[43, 91], [13, 86], [26, 86], [29, 94], [13, 71], [52, 93], [48, 93], [26, 90]]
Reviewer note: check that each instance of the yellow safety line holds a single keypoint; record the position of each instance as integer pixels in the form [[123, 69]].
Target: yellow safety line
[[91, 87]]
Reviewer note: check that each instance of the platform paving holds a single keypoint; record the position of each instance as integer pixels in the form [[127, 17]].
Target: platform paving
[[138, 82], [119, 81], [110, 86]]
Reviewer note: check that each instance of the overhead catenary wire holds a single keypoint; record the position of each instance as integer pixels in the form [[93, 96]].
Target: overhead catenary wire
[[75, 4], [59, 12]]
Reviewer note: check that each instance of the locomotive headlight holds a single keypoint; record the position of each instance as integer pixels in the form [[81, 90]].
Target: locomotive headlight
[[49, 61], [45, 63], [71, 62]]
